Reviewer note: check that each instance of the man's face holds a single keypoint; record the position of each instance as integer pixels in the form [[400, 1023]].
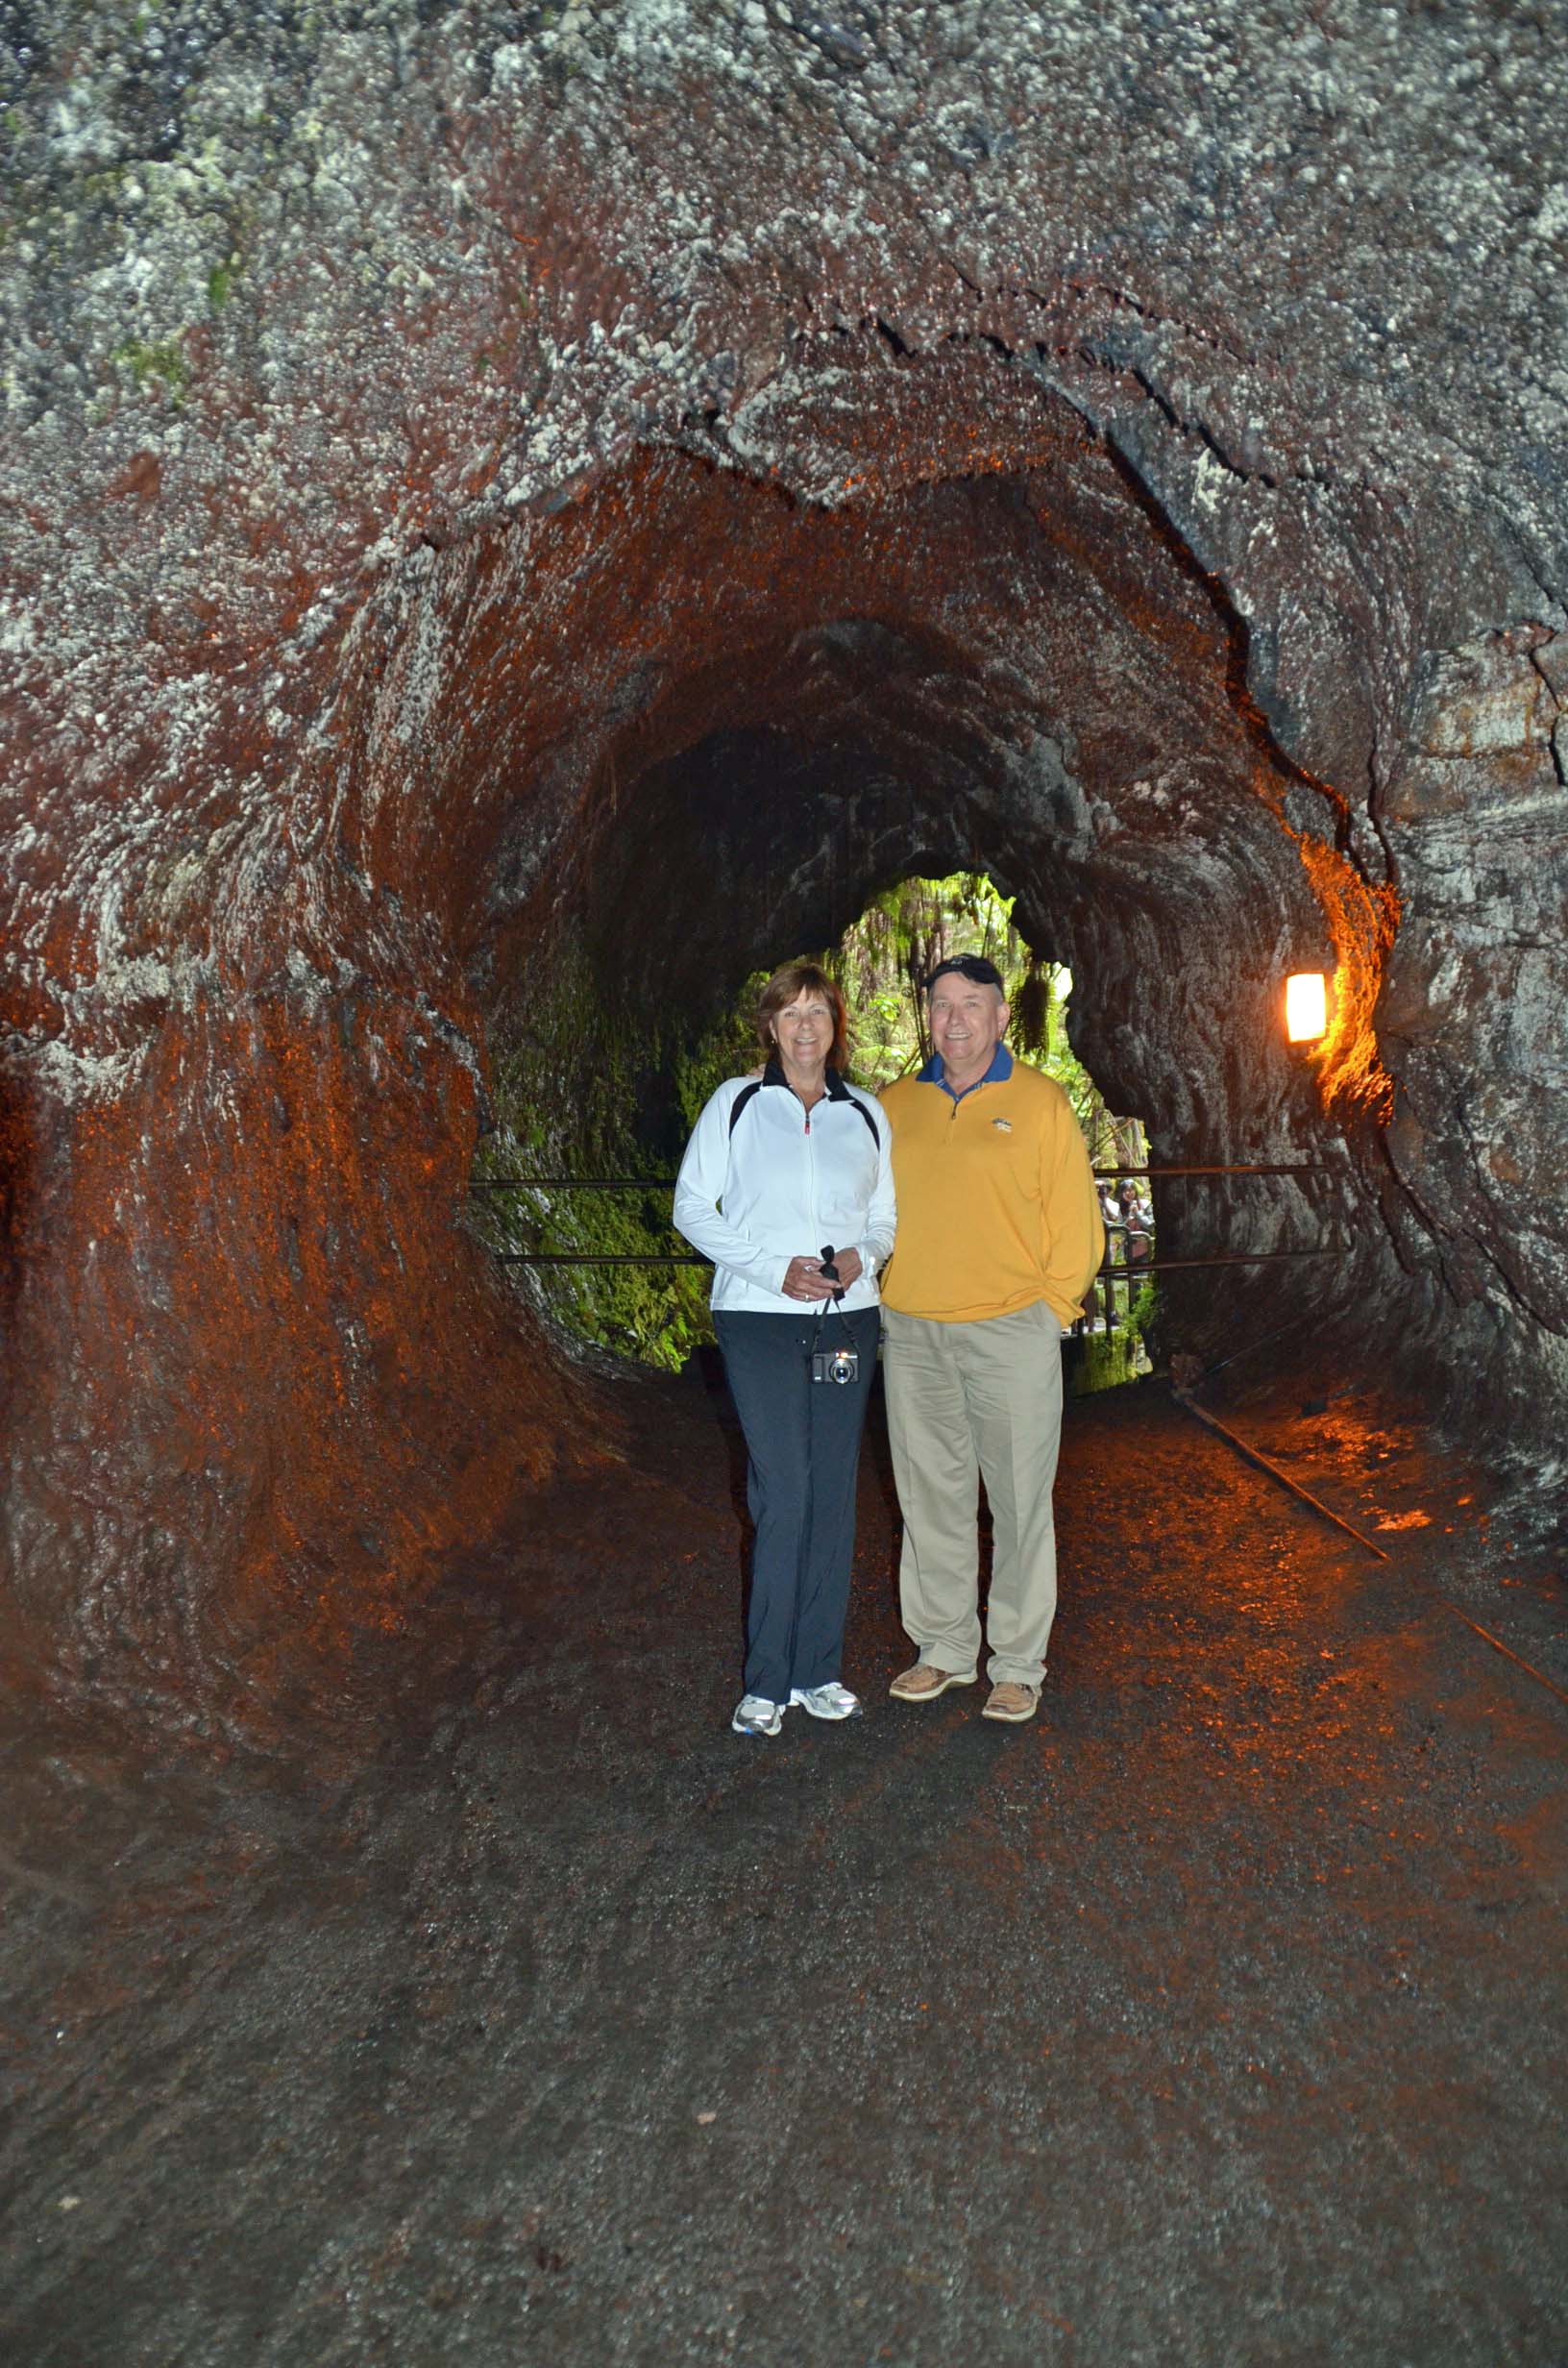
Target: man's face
[[967, 1021]]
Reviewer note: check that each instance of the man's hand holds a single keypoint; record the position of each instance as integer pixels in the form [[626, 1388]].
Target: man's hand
[[806, 1281]]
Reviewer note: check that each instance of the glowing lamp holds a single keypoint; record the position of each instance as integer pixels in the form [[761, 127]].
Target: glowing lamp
[[1306, 1007]]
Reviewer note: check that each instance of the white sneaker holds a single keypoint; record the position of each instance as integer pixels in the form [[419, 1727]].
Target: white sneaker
[[829, 1701], [757, 1715]]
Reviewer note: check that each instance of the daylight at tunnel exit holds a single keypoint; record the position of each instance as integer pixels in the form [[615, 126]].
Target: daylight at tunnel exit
[[783, 1240]]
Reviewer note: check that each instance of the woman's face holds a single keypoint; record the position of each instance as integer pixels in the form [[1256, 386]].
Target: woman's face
[[804, 1029]]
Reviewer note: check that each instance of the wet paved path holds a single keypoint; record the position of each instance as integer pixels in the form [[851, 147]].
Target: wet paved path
[[1215, 2017]]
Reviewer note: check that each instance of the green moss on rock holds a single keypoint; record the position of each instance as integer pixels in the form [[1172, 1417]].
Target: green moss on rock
[[161, 366], [584, 1091]]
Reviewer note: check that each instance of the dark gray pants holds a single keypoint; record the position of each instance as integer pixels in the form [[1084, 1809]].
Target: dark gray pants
[[803, 1439]]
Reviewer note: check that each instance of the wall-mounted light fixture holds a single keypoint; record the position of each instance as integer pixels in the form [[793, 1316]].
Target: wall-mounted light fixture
[[1305, 1009]]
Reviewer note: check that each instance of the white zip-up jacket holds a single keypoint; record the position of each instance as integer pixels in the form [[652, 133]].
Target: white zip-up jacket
[[785, 1183]]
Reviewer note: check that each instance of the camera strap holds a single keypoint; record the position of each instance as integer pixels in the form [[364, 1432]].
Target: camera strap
[[832, 1309]]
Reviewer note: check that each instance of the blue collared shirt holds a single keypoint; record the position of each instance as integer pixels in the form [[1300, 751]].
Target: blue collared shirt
[[934, 1073]]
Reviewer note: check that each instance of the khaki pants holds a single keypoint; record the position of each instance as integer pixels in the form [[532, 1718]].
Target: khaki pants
[[966, 1399]]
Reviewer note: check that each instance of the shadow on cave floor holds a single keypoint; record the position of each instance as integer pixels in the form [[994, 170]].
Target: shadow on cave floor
[[1214, 2018]]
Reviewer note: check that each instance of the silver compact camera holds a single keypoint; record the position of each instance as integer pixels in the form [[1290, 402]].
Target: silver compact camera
[[840, 1364]]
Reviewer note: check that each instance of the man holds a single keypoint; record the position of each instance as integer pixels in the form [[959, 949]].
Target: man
[[999, 1235]]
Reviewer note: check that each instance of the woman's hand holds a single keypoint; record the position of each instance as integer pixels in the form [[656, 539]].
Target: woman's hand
[[850, 1269], [805, 1280]]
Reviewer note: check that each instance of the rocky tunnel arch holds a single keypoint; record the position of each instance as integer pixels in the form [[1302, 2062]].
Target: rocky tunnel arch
[[585, 772], [1012, 671], [306, 844]]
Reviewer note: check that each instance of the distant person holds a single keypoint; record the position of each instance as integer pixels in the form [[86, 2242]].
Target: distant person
[[1100, 1305], [999, 1235], [786, 1186], [1139, 1229]]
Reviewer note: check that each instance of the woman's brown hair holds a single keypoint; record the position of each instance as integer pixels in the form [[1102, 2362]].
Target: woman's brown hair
[[787, 986]]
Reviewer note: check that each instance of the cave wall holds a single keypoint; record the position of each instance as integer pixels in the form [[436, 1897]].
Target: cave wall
[[481, 480]]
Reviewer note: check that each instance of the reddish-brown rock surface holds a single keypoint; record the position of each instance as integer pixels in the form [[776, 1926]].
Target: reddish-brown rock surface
[[488, 489]]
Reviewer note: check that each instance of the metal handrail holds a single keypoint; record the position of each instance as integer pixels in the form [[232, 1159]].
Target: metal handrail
[[690, 1258], [665, 1183]]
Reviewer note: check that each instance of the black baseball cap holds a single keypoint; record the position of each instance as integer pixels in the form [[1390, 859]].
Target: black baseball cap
[[971, 966]]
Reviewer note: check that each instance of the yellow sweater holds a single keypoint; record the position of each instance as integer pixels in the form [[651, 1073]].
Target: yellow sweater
[[997, 1202]]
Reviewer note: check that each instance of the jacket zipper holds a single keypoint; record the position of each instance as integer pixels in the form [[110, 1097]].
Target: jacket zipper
[[811, 1173]]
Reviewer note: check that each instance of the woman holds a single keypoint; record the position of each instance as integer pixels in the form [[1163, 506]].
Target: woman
[[786, 1186]]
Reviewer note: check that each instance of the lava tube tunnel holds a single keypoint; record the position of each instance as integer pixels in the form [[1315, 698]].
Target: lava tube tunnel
[[517, 521], [486, 686]]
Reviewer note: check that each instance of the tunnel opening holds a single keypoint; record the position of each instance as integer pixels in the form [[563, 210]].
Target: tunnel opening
[[1008, 673], [578, 776], [593, 1252]]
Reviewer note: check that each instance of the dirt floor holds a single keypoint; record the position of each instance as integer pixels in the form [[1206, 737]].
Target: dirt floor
[[1217, 2017]]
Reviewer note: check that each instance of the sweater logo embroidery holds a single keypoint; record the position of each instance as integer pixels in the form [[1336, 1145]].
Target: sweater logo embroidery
[[1004, 1127]]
